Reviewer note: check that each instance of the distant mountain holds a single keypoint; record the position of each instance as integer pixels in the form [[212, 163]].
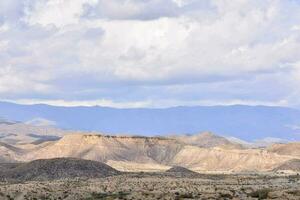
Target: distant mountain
[[8, 153], [207, 140], [292, 149], [245, 122], [17, 132], [265, 142]]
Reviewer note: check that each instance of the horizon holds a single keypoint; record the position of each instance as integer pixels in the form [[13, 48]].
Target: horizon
[[149, 99], [241, 121], [133, 107]]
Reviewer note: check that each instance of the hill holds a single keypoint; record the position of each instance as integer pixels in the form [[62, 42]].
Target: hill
[[129, 153], [7, 166], [58, 168], [9, 153], [291, 165], [104, 148], [292, 149], [206, 140], [138, 153], [222, 159], [244, 122], [179, 169], [18, 132]]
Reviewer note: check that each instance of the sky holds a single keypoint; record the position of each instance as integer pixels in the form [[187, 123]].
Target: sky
[[150, 53]]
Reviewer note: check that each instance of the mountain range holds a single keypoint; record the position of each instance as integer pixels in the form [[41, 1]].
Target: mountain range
[[202, 152], [248, 123], [249, 138]]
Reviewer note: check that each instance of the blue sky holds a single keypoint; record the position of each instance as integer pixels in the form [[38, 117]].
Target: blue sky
[[150, 53]]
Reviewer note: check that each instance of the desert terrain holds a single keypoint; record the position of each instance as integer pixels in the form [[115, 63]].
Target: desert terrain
[[149, 99], [67, 178], [203, 152], [167, 185], [58, 164]]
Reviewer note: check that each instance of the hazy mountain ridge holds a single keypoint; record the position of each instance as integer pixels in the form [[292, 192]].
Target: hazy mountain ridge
[[207, 140], [292, 149], [205, 151], [18, 132], [243, 122]]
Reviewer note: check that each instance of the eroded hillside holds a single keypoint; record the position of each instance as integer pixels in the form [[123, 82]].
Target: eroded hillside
[[134, 153]]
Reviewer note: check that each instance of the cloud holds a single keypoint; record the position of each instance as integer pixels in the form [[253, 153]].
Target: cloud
[[55, 12], [166, 103], [11, 10], [99, 102], [293, 127], [141, 10], [182, 51], [14, 82]]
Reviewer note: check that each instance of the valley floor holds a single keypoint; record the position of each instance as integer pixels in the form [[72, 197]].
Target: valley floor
[[157, 186]]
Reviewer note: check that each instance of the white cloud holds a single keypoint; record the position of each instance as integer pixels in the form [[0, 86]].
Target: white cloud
[[132, 9], [140, 104], [293, 126], [56, 12], [94, 49], [14, 82], [99, 102]]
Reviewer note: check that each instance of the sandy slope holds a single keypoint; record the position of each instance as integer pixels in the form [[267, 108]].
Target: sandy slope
[[219, 159], [286, 149], [206, 140], [151, 153], [104, 148]]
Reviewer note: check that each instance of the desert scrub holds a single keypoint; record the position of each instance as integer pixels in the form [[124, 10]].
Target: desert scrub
[[225, 195], [260, 194], [294, 192], [184, 196], [108, 196]]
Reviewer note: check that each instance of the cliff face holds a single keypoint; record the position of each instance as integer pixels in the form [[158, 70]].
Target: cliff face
[[219, 159], [155, 153], [117, 148]]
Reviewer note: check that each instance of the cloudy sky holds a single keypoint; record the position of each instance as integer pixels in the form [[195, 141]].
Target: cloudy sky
[[150, 53]]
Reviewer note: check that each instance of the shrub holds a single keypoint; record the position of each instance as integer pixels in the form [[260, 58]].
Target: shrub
[[260, 194]]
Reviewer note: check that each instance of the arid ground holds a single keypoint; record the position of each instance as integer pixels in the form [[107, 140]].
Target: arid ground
[[97, 166], [158, 186]]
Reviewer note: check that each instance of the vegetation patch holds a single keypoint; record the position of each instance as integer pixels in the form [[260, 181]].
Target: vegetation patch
[[260, 194], [118, 195]]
